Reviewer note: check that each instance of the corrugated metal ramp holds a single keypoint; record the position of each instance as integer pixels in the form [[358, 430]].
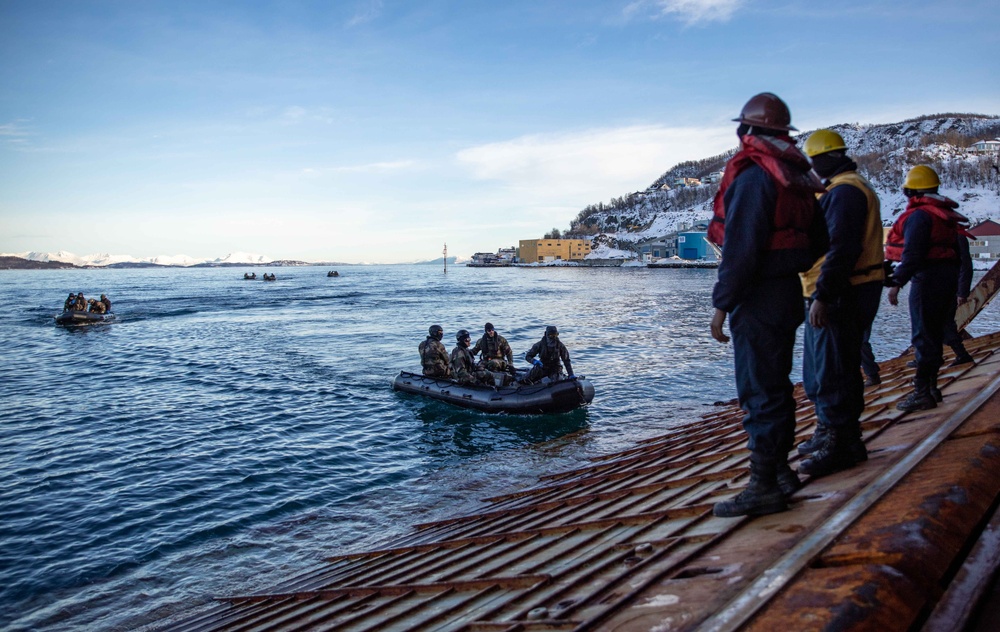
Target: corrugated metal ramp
[[630, 543]]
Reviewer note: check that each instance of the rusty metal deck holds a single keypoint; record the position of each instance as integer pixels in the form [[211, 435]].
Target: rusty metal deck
[[630, 542]]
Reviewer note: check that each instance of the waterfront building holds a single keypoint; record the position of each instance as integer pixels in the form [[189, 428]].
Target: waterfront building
[[659, 248], [542, 250], [692, 245], [500, 258], [985, 242]]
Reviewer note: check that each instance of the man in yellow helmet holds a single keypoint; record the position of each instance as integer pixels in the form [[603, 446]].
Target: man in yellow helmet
[[842, 292], [924, 242]]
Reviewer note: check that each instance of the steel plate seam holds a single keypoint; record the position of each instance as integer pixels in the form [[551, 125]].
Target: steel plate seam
[[742, 607]]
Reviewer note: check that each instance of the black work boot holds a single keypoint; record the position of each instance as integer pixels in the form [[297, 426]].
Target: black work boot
[[834, 454], [961, 355], [856, 446], [873, 380], [813, 443], [935, 391], [762, 495], [921, 397], [788, 480], [854, 443]]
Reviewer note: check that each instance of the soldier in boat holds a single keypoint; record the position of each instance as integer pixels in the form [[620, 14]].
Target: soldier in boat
[[433, 355]]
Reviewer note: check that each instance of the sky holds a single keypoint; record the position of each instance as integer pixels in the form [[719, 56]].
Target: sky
[[380, 130]]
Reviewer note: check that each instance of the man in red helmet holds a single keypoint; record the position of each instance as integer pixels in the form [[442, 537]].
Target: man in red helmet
[[767, 220]]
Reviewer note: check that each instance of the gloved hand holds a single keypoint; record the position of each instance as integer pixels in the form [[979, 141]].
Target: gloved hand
[[570, 377], [536, 362]]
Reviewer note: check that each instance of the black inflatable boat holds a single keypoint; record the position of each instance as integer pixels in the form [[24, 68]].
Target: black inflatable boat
[[525, 399], [72, 317]]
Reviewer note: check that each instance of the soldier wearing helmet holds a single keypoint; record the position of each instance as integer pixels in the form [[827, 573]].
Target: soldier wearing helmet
[[107, 303], [70, 302], [433, 355], [842, 292], [495, 352], [770, 227], [463, 363], [551, 355], [925, 241]]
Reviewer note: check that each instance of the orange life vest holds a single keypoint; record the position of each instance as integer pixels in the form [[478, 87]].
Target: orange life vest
[[796, 183], [946, 225]]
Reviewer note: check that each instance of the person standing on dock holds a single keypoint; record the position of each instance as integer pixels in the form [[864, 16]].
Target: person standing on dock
[[842, 291], [433, 355], [769, 225], [924, 242]]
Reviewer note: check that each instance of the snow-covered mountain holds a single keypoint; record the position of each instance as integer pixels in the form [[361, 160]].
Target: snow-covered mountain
[[884, 154], [104, 259]]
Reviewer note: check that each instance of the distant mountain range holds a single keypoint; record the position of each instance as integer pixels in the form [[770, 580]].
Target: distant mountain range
[[63, 259]]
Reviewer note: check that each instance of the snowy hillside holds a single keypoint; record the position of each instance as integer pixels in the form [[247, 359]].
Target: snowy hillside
[[884, 154]]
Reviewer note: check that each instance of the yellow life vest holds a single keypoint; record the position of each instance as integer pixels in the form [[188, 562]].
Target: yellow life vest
[[869, 265]]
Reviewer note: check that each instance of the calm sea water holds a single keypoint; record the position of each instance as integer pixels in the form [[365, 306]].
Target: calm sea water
[[225, 435]]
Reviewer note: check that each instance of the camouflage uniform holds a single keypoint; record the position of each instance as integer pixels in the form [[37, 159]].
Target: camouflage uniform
[[434, 358], [107, 303], [463, 367], [550, 355], [496, 353]]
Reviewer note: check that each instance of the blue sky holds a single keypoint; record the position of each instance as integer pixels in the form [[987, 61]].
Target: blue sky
[[376, 130]]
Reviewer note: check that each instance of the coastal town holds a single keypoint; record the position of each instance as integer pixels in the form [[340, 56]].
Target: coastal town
[[687, 246]]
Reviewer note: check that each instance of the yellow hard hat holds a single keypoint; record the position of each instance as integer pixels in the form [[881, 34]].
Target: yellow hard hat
[[922, 177], [823, 140]]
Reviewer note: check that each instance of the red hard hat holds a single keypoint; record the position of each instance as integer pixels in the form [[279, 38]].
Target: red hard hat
[[767, 110]]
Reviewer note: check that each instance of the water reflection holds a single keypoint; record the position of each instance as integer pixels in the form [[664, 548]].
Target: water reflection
[[451, 434]]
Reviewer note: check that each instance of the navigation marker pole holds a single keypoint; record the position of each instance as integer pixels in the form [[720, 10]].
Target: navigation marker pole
[[445, 253]]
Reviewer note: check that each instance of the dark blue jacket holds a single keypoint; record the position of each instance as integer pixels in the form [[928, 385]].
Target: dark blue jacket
[[845, 209], [746, 260]]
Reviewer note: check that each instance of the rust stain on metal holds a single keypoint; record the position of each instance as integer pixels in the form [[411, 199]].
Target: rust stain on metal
[[865, 597], [630, 543]]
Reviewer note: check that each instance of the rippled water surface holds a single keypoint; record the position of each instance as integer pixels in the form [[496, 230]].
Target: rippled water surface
[[224, 434]]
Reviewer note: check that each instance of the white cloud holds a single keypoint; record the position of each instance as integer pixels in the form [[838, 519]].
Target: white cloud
[[591, 165], [366, 11], [14, 133], [690, 11]]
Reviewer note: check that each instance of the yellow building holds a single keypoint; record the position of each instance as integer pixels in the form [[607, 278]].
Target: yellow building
[[541, 250]]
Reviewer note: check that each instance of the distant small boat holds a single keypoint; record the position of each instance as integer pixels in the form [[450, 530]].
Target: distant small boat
[[559, 396], [269, 277], [72, 318], [332, 273], [249, 277]]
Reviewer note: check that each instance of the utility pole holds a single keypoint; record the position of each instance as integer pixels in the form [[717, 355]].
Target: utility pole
[[445, 253]]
